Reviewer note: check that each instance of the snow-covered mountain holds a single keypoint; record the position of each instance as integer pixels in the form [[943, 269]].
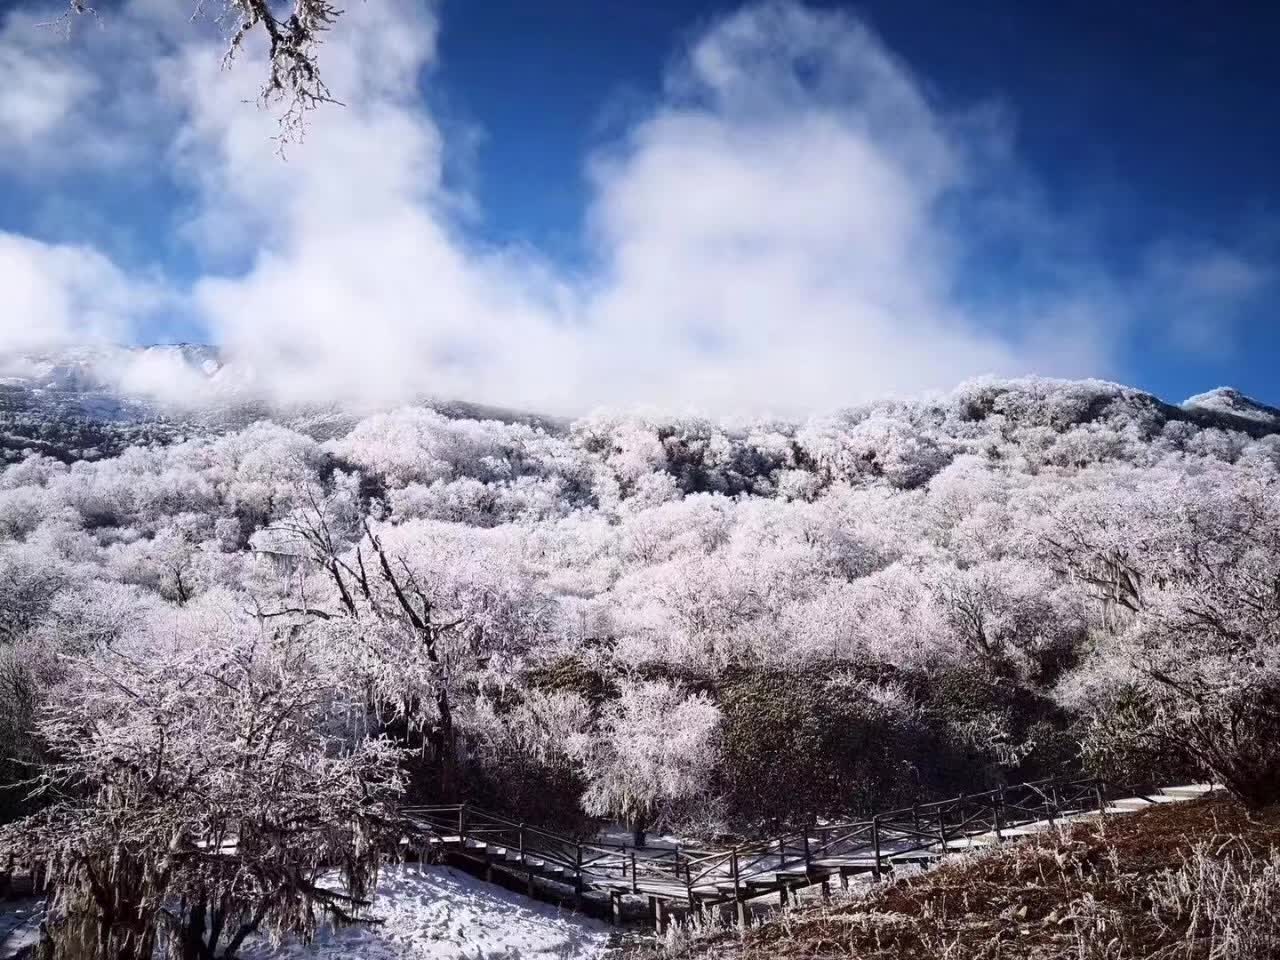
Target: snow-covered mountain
[[94, 401], [86, 402], [183, 381], [1232, 403], [99, 367]]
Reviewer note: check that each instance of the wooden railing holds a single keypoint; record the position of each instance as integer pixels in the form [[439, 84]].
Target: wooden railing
[[575, 857], [897, 835], [873, 845]]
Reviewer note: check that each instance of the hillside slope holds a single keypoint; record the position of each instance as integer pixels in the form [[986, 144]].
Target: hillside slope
[[1194, 880]]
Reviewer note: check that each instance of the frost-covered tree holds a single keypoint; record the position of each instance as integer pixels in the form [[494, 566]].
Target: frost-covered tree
[[1194, 670], [654, 749], [30, 580], [477, 588], [293, 68], [1008, 611], [205, 772], [524, 756]]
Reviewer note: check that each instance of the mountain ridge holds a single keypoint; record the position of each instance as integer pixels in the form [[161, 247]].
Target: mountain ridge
[[100, 365], [93, 400]]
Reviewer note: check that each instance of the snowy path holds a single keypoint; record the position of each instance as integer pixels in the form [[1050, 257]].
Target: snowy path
[[444, 914], [432, 913], [19, 925]]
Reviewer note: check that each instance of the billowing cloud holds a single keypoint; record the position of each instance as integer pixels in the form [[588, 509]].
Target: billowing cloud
[[36, 95], [55, 295], [778, 233], [767, 238]]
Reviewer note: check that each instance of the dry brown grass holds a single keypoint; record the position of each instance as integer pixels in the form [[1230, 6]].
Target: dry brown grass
[[1193, 881]]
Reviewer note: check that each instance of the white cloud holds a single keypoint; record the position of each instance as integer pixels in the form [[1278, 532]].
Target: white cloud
[[36, 95], [766, 239], [79, 93], [1197, 292], [58, 294], [769, 237]]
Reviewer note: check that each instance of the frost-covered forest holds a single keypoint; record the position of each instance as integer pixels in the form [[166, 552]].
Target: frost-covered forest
[[262, 640]]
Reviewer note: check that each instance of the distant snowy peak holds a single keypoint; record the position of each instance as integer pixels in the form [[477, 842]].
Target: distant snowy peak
[[198, 356], [182, 381], [99, 365], [1234, 403], [122, 383]]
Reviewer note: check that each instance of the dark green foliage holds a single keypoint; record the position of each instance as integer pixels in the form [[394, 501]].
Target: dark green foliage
[[1114, 744], [797, 746], [700, 468], [998, 729], [71, 426], [573, 674], [21, 750], [524, 789]]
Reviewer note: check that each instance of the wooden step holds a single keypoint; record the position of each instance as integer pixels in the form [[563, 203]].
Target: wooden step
[[1189, 791], [813, 873]]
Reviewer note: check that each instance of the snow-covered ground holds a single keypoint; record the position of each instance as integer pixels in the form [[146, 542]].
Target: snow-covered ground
[[19, 925], [429, 912], [444, 914]]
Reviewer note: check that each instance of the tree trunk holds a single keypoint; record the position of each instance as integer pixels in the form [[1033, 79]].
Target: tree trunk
[[193, 936], [639, 828], [1256, 789], [444, 744]]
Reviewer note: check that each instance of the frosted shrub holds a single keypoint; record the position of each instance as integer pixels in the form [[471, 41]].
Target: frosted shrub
[[1194, 670], [654, 750], [203, 772]]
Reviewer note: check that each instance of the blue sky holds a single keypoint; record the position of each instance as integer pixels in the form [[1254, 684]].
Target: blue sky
[[1142, 120], [1163, 108], [926, 192]]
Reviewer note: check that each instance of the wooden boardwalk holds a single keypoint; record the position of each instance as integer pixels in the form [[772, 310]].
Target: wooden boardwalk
[[680, 880]]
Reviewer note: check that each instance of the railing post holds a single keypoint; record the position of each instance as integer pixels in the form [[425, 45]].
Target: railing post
[[804, 836], [462, 824], [995, 816], [875, 842], [577, 877], [942, 828], [1100, 794], [522, 843], [740, 907], [635, 887]]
